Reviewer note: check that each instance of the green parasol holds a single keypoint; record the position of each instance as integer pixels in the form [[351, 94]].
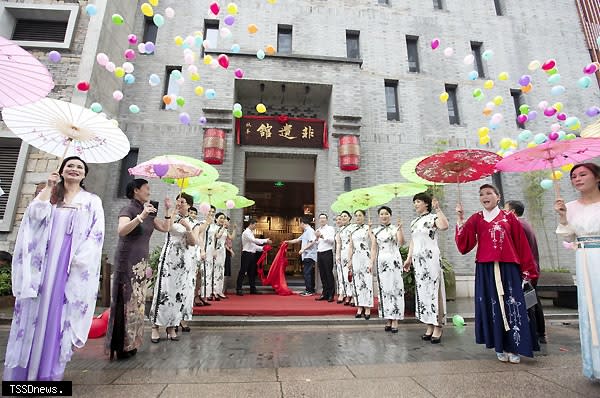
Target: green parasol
[[239, 202], [339, 206], [209, 173], [400, 189], [214, 190], [365, 198], [408, 171]]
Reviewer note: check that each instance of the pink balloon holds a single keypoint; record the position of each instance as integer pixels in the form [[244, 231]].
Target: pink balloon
[[435, 43], [110, 66], [204, 208], [161, 169], [142, 48], [132, 39], [522, 119], [553, 136], [561, 116], [223, 61], [555, 127], [590, 69], [117, 95], [238, 73], [230, 204], [549, 112], [214, 8], [102, 59], [129, 54], [549, 64]]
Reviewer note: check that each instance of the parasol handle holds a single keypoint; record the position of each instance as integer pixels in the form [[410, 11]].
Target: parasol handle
[[459, 193], [64, 155], [555, 182]]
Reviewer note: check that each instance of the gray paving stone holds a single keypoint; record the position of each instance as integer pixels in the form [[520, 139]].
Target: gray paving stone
[[398, 387], [161, 376], [112, 391], [245, 390], [314, 373], [571, 379]]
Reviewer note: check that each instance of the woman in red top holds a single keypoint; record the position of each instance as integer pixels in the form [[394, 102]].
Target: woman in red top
[[503, 260]]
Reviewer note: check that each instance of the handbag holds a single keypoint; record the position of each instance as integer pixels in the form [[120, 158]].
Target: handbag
[[530, 295]]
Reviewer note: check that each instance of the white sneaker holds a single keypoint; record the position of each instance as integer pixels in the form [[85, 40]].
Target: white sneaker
[[502, 356], [514, 358], [306, 293]]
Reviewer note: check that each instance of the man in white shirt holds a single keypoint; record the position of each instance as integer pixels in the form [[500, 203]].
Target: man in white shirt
[[251, 249], [308, 253], [325, 240]]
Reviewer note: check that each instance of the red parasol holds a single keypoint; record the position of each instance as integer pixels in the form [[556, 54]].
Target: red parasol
[[457, 166]]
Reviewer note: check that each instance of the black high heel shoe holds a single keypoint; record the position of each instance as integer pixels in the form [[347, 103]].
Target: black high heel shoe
[[367, 316], [436, 340], [388, 328], [154, 340], [360, 314]]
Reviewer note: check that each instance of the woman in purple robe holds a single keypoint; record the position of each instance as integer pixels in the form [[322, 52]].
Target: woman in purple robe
[[56, 268]]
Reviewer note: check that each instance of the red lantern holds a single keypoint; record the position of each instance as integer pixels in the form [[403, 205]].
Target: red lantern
[[214, 146], [349, 153]]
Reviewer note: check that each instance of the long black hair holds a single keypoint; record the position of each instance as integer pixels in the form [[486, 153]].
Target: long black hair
[[133, 185], [58, 193]]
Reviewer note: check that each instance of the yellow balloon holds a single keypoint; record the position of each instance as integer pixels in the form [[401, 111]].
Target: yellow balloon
[[271, 1], [558, 106], [498, 100], [503, 76], [232, 8], [208, 59], [556, 175], [576, 126], [489, 84], [119, 72], [567, 167], [195, 77], [484, 140], [505, 143], [147, 10], [153, 2], [500, 153], [444, 97], [261, 108], [531, 145], [199, 90], [183, 183], [178, 40], [483, 131], [533, 65]]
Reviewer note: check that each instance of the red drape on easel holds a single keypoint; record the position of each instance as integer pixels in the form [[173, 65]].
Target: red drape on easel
[[276, 276]]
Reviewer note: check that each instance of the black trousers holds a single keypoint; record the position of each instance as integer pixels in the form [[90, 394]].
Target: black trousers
[[325, 264], [248, 267], [538, 311]]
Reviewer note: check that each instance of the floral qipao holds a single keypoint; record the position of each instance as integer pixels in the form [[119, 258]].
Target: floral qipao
[[207, 267], [362, 281], [220, 254], [429, 278], [345, 236], [389, 273]]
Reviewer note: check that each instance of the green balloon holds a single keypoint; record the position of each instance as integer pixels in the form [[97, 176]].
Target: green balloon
[[117, 19], [477, 92], [96, 107], [458, 320], [524, 109], [180, 101], [237, 113]]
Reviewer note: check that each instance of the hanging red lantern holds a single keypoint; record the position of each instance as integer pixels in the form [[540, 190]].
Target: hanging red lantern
[[214, 146], [349, 153]]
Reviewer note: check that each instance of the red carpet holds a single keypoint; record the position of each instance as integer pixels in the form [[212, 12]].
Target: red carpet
[[274, 305]]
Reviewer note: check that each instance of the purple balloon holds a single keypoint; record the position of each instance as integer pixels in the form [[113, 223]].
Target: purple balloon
[[161, 169], [593, 111], [202, 120], [184, 118], [54, 56], [229, 20], [525, 80], [150, 47], [532, 115]]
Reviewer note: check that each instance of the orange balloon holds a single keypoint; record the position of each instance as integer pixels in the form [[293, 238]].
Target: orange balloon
[[167, 99], [252, 29], [487, 111], [526, 89], [269, 49]]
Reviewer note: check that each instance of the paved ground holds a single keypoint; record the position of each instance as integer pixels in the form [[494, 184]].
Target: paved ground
[[328, 361]]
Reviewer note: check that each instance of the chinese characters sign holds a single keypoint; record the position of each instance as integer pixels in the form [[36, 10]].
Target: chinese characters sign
[[281, 131]]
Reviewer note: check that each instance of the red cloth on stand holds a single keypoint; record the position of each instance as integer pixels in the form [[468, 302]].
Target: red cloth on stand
[[276, 276]]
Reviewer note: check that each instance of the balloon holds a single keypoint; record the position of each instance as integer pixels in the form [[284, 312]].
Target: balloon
[[526, 89], [83, 86], [449, 51], [531, 144], [532, 115], [117, 19], [91, 10], [207, 59], [194, 77], [178, 40], [223, 61], [493, 125], [147, 10], [561, 116], [160, 169], [54, 56], [199, 90], [554, 79], [129, 54], [469, 59], [134, 108], [497, 118], [590, 69], [557, 90], [487, 55], [237, 105], [524, 80], [567, 167], [524, 109], [553, 136], [539, 138], [142, 48], [522, 119], [158, 20], [593, 111], [546, 184], [252, 29], [211, 94], [584, 82], [110, 66], [192, 69], [169, 12], [570, 136], [484, 140], [487, 111], [96, 107], [102, 59], [477, 93], [458, 320], [176, 74], [119, 72], [558, 106], [534, 65], [232, 8], [542, 105], [549, 112], [225, 33], [503, 76], [483, 131], [473, 75], [269, 49], [184, 118], [555, 127], [189, 59], [230, 204], [525, 135], [129, 78], [573, 123], [235, 48], [99, 325], [550, 64], [167, 99], [229, 20], [214, 8], [505, 143], [237, 113], [238, 73], [261, 108], [260, 54], [444, 97], [552, 71], [435, 43], [117, 95], [180, 101], [132, 39], [489, 84], [150, 47], [498, 100], [204, 208], [202, 120]]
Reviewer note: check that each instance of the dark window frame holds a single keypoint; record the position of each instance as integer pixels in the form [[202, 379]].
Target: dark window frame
[[517, 97], [476, 49], [353, 36], [392, 116], [452, 104], [150, 31], [438, 4], [283, 31], [413, 41], [210, 24], [49, 31], [499, 8], [167, 80], [130, 160]]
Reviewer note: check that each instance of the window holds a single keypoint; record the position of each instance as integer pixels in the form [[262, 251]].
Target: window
[[413, 53], [347, 184], [452, 103], [284, 39], [211, 33], [13, 154], [517, 96], [476, 48], [171, 88], [438, 4], [391, 100], [386, 2], [352, 44], [127, 162], [39, 25], [499, 8], [150, 30]]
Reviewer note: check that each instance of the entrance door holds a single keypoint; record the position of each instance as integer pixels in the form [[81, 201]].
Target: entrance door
[[284, 191]]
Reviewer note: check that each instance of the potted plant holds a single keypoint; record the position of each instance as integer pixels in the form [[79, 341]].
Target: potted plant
[[409, 286], [6, 298]]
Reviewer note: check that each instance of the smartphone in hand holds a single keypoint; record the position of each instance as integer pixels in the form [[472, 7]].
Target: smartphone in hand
[[154, 203]]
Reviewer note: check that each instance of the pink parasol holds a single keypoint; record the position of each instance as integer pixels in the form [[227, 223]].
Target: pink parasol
[[551, 154], [23, 79], [458, 166], [166, 166]]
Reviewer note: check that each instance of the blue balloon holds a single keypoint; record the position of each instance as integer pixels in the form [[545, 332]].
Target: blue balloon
[[473, 75], [91, 10], [210, 94], [540, 138], [554, 79], [493, 125], [557, 90], [260, 54], [176, 74], [546, 184], [129, 78], [154, 80], [584, 82], [525, 135], [198, 40], [235, 48], [561, 135]]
